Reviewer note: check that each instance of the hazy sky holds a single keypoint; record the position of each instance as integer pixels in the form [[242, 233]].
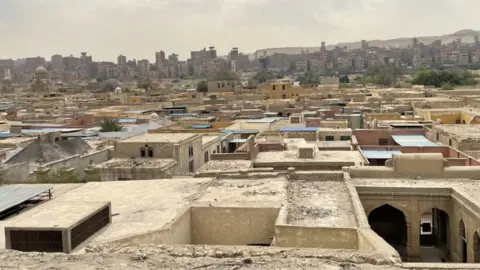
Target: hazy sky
[[138, 28]]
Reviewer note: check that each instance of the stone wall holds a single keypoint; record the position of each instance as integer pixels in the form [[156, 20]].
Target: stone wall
[[15, 173]]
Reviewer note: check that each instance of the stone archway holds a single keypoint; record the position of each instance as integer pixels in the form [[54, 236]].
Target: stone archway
[[463, 241], [476, 248], [434, 232], [390, 224]]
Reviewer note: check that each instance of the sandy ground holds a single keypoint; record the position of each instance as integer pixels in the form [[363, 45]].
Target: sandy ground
[[193, 257]]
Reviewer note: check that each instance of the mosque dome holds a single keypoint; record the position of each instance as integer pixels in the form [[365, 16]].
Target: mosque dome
[[6, 80], [154, 116], [41, 70]]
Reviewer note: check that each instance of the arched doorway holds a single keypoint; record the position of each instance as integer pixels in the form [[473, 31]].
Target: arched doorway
[[434, 227], [390, 224], [476, 248], [463, 241]]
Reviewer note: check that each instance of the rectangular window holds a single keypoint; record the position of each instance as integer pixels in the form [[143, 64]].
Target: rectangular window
[[273, 87], [345, 138], [329, 138], [218, 148], [283, 87], [382, 141], [205, 157], [190, 151]]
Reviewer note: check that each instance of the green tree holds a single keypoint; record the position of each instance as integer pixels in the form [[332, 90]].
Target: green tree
[[264, 76], [438, 78], [308, 78], [225, 76], [110, 85], [383, 75], [110, 125], [447, 86], [202, 87], [344, 79]]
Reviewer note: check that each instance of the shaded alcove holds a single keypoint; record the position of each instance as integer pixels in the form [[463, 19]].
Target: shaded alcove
[[434, 228], [476, 248], [390, 224], [463, 241]]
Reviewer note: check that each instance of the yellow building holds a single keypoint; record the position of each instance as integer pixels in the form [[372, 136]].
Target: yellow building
[[284, 90]]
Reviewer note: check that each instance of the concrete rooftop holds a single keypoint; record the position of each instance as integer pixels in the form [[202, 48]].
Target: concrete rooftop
[[160, 138], [320, 156], [225, 165], [137, 162]]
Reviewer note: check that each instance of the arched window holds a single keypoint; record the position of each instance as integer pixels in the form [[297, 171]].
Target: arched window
[[150, 152], [142, 152]]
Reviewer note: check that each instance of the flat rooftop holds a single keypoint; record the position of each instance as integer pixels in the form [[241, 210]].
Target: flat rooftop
[[160, 138], [328, 144], [320, 204], [461, 131], [320, 156], [265, 193], [57, 214], [225, 165], [206, 139], [137, 162]]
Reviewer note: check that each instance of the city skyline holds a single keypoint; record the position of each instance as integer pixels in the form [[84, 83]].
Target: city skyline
[[105, 29]]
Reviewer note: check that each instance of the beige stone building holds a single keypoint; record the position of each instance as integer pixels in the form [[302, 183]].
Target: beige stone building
[[41, 82], [185, 148]]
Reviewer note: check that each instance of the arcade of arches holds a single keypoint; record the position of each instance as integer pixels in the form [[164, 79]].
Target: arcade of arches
[[433, 228]]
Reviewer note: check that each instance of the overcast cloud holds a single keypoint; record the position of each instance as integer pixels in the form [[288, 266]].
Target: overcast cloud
[[138, 28]]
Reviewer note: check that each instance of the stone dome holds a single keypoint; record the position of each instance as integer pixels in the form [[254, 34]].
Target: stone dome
[[41, 70], [6, 80], [154, 116]]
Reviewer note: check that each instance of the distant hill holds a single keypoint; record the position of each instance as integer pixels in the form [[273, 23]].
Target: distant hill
[[467, 36]]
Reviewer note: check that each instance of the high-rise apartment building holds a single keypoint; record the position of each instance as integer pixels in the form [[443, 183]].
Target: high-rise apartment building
[[57, 62], [144, 68], [85, 66], [32, 63], [122, 60]]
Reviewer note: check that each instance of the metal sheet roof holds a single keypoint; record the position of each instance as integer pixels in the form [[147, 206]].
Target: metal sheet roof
[[379, 154], [298, 129], [413, 140], [201, 126], [11, 196], [265, 120], [127, 121], [239, 141], [241, 131]]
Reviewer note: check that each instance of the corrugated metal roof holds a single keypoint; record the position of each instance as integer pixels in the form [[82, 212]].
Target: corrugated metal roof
[[201, 126], [48, 130], [239, 141], [264, 120], [412, 140], [241, 131], [127, 121], [298, 129], [379, 154], [11, 196]]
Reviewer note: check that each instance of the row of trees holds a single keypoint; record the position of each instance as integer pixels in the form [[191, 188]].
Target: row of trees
[[446, 79]]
